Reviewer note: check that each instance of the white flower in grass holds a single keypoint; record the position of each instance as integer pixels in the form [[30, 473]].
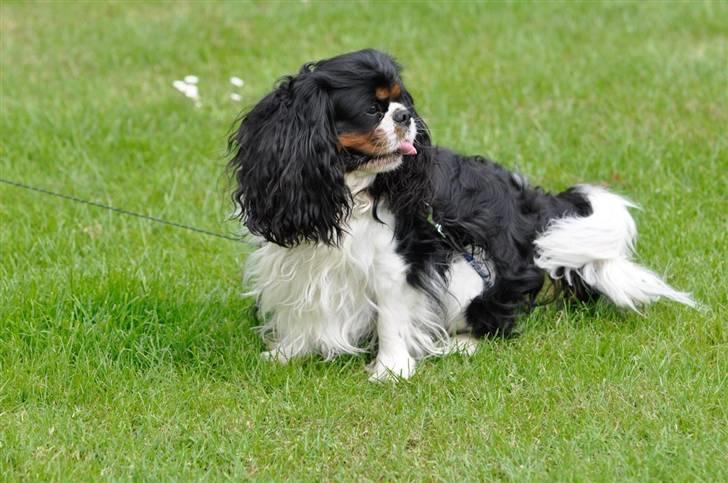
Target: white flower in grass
[[180, 86], [237, 81], [235, 97], [190, 90]]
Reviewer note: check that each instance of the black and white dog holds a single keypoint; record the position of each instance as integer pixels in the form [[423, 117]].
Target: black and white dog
[[373, 237]]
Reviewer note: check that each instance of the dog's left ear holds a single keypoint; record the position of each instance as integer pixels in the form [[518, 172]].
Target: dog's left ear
[[291, 186]]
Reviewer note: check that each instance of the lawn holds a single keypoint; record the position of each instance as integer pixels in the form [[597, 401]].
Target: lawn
[[127, 349]]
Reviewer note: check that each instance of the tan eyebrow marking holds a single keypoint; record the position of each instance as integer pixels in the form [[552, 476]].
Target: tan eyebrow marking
[[383, 92]]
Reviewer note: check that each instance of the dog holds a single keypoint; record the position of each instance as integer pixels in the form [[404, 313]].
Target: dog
[[372, 238]]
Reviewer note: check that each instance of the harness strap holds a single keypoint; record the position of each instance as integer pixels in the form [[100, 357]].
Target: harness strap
[[481, 267]]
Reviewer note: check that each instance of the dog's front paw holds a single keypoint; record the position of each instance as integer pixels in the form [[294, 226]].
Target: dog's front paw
[[391, 368], [275, 355], [463, 344]]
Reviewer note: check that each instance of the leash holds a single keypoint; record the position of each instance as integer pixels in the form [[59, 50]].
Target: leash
[[122, 211], [475, 258]]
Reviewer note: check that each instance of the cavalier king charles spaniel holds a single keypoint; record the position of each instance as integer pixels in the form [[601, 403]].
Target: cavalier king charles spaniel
[[374, 239]]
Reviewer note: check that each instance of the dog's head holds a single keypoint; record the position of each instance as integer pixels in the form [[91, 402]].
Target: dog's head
[[347, 114]]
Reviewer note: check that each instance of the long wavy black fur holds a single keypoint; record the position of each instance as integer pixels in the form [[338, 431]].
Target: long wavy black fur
[[290, 184], [480, 203]]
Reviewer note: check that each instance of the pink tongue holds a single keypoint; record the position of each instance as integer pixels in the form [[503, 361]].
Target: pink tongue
[[407, 148]]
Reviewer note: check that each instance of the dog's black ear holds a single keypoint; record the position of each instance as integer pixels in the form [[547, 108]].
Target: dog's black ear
[[290, 184]]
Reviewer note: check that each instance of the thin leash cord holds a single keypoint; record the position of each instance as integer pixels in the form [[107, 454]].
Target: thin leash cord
[[161, 220], [119, 210]]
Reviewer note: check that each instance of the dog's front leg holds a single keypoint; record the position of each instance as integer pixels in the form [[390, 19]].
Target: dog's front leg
[[393, 324], [393, 358]]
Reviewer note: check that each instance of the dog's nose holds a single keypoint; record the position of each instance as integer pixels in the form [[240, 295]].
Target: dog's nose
[[401, 116]]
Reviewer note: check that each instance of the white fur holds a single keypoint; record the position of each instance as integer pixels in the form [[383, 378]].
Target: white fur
[[335, 300], [464, 284], [316, 298], [599, 249], [464, 344]]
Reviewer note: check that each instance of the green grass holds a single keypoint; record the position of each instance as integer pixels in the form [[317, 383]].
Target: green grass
[[126, 348]]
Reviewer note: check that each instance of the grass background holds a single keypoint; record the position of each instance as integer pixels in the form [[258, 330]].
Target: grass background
[[126, 348]]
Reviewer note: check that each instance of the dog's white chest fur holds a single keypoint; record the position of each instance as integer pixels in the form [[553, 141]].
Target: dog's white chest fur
[[332, 300], [317, 298]]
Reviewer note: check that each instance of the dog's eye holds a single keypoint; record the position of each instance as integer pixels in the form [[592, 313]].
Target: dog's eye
[[373, 109]]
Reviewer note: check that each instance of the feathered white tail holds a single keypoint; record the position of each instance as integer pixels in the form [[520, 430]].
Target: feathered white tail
[[599, 248]]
